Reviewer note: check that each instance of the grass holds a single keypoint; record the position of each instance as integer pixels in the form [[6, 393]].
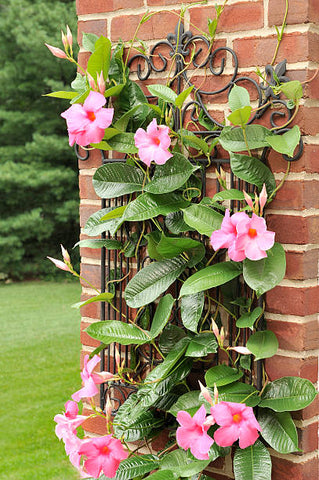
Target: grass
[[39, 370]]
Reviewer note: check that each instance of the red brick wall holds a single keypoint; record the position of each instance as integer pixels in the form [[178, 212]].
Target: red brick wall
[[293, 306]]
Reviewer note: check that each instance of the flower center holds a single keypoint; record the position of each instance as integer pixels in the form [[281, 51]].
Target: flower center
[[237, 418], [252, 232], [156, 141], [105, 450], [91, 116]]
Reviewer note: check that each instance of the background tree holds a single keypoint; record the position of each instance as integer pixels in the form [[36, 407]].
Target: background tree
[[38, 171]]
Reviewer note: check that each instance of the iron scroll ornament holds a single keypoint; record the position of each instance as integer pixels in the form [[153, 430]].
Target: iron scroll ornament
[[178, 55]]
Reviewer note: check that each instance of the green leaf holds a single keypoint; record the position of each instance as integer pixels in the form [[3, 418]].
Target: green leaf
[[102, 297], [109, 244], [239, 392], [222, 375], [61, 94], [202, 218], [210, 277], [116, 213], [117, 179], [94, 226], [212, 26], [114, 91], [123, 121], [161, 475], [79, 83], [279, 430], [162, 314], [252, 170], [288, 394], [263, 275], [149, 205], [238, 98], [201, 345], [135, 466], [170, 247], [100, 59], [285, 143], [170, 336], [123, 143], [153, 240], [240, 116], [231, 194], [88, 41], [170, 176], [182, 96], [189, 402], [248, 319], [153, 280], [139, 429], [109, 331], [182, 466], [292, 90], [263, 344], [252, 463], [195, 142], [191, 310], [232, 139], [163, 92], [174, 222]]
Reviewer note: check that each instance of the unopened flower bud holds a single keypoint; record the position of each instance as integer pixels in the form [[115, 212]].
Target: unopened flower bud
[[108, 408], [65, 255], [69, 35], [59, 264], [57, 52], [215, 329], [91, 81], [248, 200], [205, 393], [215, 394], [221, 177], [117, 358], [100, 83], [222, 336], [262, 199], [64, 40], [242, 350]]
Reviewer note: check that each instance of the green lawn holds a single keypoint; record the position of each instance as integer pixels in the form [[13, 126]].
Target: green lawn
[[39, 368]]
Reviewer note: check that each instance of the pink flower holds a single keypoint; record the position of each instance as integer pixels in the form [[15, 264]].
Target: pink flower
[[66, 265], [90, 380], [226, 236], [103, 454], [153, 143], [193, 433], [253, 238], [57, 52], [69, 421], [87, 123], [237, 421]]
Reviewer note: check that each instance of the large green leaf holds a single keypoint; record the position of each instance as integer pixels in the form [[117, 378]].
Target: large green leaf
[[174, 222], [162, 314], [182, 466], [288, 394], [100, 59], [109, 244], [136, 466], [240, 116], [191, 310], [263, 275], [188, 402], [222, 375], [210, 277], [116, 179], [279, 430], [263, 344], [292, 90], [252, 170], [232, 139], [153, 280], [149, 205], [239, 392], [170, 176], [170, 336], [252, 463], [138, 429], [201, 345], [163, 92], [161, 475], [203, 218], [110, 331], [170, 247], [248, 319], [94, 226], [285, 143], [231, 194], [123, 142], [102, 297], [238, 98]]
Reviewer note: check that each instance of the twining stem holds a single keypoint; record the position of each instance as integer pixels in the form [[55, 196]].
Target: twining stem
[[280, 35], [246, 141], [153, 343], [281, 183], [289, 121]]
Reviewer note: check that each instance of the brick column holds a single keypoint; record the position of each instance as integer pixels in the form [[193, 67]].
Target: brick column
[[293, 306]]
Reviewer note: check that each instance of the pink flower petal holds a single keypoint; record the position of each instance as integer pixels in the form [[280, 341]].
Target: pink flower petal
[[94, 101], [226, 436]]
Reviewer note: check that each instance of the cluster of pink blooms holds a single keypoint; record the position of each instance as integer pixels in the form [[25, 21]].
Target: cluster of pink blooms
[[102, 454], [236, 422]]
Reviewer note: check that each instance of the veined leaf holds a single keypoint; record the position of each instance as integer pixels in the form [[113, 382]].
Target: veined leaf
[[189, 402], [109, 244], [182, 96], [252, 463], [109, 331], [94, 226], [100, 59], [136, 466], [149, 205], [201, 345], [222, 375], [175, 223], [210, 277], [285, 143], [202, 218], [138, 430], [248, 319], [288, 394], [231, 194], [153, 280], [123, 143], [161, 475], [239, 392], [240, 116], [252, 170], [232, 139], [191, 310], [279, 430], [61, 94], [162, 315], [263, 344], [102, 297], [163, 92], [116, 179], [116, 213], [238, 98], [181, 465]]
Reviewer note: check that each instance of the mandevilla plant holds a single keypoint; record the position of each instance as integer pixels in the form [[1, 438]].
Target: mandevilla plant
[[184, 234]]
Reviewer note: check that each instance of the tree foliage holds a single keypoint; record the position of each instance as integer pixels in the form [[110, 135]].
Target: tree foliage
[[38, 174]]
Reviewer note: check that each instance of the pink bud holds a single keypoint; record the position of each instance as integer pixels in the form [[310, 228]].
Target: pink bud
[[205, 393], [256, 204], [262, 198], [117, 357], [57, 52], [69, 35], [215, 394], [65, 255], [242, 350], [248, 200], [91, 81], [215, 329], [59, 264], [222, 335], [108, 408], [100, 83], [64, 39]]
